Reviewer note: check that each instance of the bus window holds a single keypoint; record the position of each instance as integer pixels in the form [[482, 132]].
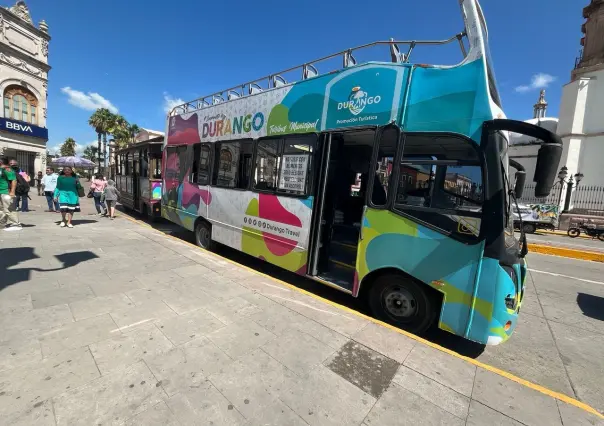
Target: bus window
[[234, 160], [200, 171], [296, 165], [145, 164], [128, 164], [386, 153], [155, 167], [439, 176], [267, 164]]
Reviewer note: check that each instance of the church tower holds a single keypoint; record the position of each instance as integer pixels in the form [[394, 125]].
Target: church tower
[[540, 108], [593, 39]]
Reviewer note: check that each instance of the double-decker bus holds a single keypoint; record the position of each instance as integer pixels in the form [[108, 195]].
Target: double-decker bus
[[385, 180]]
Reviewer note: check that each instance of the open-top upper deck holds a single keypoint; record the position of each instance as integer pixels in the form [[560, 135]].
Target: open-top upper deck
[[424, 97]]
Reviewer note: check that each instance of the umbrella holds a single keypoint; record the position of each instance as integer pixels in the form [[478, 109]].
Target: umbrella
[[72, 161]]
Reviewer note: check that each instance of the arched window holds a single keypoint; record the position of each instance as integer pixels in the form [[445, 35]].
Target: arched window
[[20, 104]]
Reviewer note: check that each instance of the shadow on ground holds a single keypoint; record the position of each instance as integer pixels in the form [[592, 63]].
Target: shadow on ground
[[592, 306], [10, 257], [435, 335]]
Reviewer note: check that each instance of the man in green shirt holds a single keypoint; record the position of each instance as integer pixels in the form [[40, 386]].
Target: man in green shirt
[[8, 183]]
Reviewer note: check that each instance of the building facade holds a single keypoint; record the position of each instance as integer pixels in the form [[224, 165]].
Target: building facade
[[23, 87]]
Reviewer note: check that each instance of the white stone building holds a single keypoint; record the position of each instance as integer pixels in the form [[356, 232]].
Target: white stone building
[[23, 87]]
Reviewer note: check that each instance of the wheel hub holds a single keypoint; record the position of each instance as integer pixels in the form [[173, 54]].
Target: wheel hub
[[400, 302]]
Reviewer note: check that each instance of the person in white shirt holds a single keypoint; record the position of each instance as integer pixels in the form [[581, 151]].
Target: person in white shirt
[[49, 182]]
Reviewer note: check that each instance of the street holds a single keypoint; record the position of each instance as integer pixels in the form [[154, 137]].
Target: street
[[587, 244]]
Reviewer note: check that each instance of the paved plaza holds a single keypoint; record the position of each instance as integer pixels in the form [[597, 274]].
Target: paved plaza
[[112, 322]]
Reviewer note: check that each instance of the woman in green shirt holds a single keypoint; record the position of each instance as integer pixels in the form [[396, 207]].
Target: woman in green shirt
[[66, 194]]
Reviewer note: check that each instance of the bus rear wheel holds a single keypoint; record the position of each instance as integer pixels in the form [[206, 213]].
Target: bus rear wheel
[[401, 302], [203, 235]]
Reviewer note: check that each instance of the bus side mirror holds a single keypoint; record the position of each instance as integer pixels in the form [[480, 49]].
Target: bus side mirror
[[546, 169]]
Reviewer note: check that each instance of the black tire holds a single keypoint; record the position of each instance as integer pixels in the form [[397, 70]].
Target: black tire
[[203, 235], [529, 228], [402, 302], [573, 232], [148, 213], [601, 237]]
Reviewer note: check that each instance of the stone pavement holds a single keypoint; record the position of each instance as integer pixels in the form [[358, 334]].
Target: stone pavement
[[112, 322]]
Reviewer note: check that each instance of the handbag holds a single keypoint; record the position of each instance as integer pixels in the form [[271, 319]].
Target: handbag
[[81, 192], [90, 193]]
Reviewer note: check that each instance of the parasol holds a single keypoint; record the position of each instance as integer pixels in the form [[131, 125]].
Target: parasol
[[72, 161]]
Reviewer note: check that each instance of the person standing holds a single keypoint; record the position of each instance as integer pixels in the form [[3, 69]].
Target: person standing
[[67, 195], [22, 191], [8, 184], [39, 183], [111, 195], [97, 187], [49, 182]]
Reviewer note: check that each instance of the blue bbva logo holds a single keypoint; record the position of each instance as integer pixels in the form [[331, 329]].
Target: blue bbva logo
[[358, 100]]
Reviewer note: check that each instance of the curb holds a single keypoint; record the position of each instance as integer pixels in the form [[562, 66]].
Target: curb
[[566, 252], [559, 234], [541, 389]]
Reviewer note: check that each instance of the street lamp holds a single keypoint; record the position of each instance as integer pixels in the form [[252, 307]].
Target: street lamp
[[562, 174]]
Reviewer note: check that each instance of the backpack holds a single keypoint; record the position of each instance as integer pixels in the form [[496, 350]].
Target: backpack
[[22, 185]]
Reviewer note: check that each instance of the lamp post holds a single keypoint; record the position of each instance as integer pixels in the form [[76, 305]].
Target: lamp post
[[562, 174]]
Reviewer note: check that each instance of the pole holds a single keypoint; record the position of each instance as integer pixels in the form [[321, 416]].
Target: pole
[[569, 191], [560, 193]]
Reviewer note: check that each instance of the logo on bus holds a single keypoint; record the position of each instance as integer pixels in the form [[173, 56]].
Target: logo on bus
[[358, 100]]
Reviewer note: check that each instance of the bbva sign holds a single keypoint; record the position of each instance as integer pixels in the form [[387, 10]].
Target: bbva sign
[[23, 128]]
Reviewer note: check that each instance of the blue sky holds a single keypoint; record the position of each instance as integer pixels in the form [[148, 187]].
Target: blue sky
[[136, 56]]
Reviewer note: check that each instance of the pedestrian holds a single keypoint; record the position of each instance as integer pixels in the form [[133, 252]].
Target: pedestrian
[[9, 219], [97, 187], [111, 194], [22, 191], [67, 195], [49, 182], [39, 183]]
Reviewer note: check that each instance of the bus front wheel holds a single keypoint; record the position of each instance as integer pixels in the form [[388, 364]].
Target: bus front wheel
[[401, 302], [203, 235]]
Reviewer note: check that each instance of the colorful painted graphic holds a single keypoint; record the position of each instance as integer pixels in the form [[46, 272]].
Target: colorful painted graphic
[[156, 190]]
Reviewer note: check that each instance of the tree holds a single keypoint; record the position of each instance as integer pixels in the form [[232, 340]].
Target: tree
[[68, 148], [91, 152], [133, 130], [101, 120]]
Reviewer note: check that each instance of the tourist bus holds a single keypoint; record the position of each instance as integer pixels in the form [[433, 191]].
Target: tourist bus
[[269, 168], [138, 176]]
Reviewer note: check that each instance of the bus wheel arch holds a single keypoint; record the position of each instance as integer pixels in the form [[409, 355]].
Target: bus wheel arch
[[399, 299], [203, 233]]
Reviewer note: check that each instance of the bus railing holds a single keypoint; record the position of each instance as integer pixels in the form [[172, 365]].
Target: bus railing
[[309, 70]]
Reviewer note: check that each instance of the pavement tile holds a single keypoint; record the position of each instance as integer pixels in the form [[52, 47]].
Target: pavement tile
[[16, 305], [111, 399], [39, 414], [177, 301], [61, 296], [398, 406], [240, 338], [158, 415], [204, 406], [252, 382], [158, 277], [124, 349], [116, 284], [152, 311], [324, 398], [574, 416], [28, 385], [219, 288], [18, 352], [183, 328], [440, 395], [385, 341], [480, 415], [193, 271], [232, 310], [447, 370], [100, 305], [582, 354], [77, 334], [34, 322], [363, 367], [298, 351], [277, 414], [514, 400]]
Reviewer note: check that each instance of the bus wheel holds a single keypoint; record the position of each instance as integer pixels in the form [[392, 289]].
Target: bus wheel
[[529, 228], [203, 235], [401, 302]]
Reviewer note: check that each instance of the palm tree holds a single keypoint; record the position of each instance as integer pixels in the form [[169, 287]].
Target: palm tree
[[133, 130], [101, 121], [68, 148]]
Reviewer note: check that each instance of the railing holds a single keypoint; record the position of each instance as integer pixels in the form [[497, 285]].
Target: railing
[[309, 70], [587, 200]]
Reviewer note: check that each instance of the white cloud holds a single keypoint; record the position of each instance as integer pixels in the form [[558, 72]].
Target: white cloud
[[89, 101], [538, 81], [170, 102]]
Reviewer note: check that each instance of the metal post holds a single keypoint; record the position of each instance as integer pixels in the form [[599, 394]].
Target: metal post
[[569, 191], [560, 193]]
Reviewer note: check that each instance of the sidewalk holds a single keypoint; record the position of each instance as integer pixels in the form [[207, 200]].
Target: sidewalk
[[112, 322]]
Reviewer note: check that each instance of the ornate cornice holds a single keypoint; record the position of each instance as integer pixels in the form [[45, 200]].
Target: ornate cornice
[[7, 15], [14, 57]]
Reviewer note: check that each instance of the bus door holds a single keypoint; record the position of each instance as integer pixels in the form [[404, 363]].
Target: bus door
[[345, 172]]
